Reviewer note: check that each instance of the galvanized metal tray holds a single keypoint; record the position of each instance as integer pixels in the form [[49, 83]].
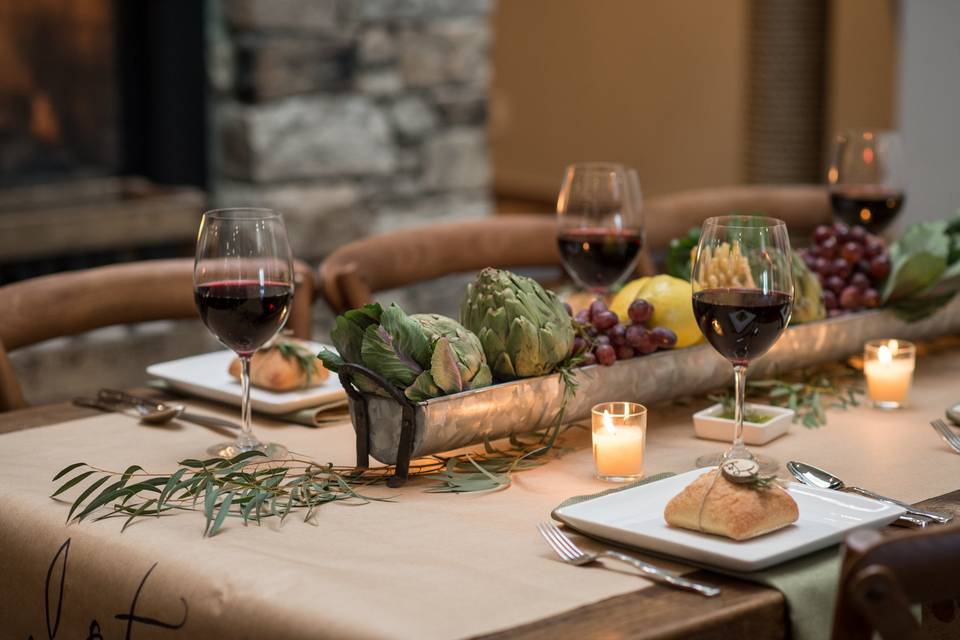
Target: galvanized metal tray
[[450, 422]]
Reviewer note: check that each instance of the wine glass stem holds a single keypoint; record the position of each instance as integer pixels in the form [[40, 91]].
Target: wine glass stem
[[738, 450], [246, 438]]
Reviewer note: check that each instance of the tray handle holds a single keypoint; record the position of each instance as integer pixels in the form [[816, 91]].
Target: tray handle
[[347, 373]]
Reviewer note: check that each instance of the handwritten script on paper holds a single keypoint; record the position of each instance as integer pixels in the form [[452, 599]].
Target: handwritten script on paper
[[53, 603]]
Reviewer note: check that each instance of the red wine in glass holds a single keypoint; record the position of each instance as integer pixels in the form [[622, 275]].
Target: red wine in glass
[[741, 324], [243, 314], [872, 208], [599, 258]]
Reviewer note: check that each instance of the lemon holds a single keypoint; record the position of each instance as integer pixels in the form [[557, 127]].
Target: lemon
[[672, 306]]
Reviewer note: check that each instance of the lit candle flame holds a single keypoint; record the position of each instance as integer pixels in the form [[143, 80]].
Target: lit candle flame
[[884, 354], [608, 423]]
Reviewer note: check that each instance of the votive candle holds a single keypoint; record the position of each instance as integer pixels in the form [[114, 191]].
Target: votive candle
[[888, 366], [619, 437]]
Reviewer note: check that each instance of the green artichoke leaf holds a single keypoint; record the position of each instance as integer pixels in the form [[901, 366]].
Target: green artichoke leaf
[[330, 359], [423, 388], [408, 335], [482, 378], [443, 367], [379, 354], [913, 273], [347, 334]]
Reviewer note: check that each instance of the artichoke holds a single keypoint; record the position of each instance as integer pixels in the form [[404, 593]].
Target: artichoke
[[525, 330], [424, 355]]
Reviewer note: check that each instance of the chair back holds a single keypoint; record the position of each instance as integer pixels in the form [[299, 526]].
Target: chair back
[[74, 302], [883, 575], [350, 276]]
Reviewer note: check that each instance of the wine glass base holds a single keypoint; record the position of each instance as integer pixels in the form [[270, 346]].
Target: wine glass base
[[271, 450], [767, 465]]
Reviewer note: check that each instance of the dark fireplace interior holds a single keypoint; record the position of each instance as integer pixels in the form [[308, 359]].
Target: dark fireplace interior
[[102, 104]]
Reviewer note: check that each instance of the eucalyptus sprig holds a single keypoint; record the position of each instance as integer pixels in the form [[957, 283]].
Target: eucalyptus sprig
[[809, 392], [248, 486]]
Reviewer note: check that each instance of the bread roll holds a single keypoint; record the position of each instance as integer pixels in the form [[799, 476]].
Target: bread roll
[[713, 504], [271, 370]]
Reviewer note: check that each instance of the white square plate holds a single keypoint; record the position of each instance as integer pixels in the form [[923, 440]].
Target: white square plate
[[634, 517], [206, 376]]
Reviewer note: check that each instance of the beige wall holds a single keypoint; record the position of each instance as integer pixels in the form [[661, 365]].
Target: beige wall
[[655, 84]]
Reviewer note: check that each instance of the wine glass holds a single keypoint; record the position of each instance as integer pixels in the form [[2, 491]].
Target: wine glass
[[243, 286], [742, 298], [865, 178], [600, 224]]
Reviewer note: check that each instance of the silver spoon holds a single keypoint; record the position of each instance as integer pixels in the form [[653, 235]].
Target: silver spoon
[[953, 414], [816, 477], [158, 413]]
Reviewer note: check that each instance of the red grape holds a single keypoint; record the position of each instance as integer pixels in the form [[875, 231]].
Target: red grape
[[617, 334], [606, 355], [836, 284], [873, 246], [841, 231], [850, 298], [809, 259], [601, 339], [863, 266], [663, 337], [582, 317], [640, 311], [647, 345], [636, 334], [625, 352], [858, 233], [860, 281], [880, 267], [829, 299], [588, 359], [579, 345], [566, 305], [871, 299], [597, 307], [821, 233], [841, 268], [852, 252], [828, 248], [823, 267], [604, 320]]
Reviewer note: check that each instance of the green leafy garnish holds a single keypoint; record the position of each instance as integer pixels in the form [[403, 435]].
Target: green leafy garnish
[[925, 269], [296, 351]]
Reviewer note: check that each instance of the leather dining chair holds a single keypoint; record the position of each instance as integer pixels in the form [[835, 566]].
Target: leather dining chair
[[74, 302], [884, 575], [353, 273]]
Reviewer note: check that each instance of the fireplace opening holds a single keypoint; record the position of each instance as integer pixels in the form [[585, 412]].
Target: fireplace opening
[[103, 135]]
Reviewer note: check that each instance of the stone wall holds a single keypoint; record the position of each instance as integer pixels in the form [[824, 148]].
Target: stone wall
[[350, 116]]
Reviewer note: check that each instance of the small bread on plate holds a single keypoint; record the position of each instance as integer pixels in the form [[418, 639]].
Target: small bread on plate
[[283, 365], [742, 509]]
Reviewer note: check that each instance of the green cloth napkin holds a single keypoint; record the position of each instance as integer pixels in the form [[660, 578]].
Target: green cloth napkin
[[809, 583]]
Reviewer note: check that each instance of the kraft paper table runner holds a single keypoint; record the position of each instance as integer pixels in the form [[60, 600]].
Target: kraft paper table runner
[[436, 566]]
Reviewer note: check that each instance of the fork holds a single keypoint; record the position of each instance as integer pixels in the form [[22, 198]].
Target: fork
[[947, 434], [571, 554]]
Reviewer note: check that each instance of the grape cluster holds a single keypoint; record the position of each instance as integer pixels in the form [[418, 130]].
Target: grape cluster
[[851, 265], [602, 338]]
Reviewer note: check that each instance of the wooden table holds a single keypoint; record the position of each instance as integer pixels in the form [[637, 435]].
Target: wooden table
[[743, 609]]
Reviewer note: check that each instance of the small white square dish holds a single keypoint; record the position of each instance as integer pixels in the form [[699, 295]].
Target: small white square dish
[[206, 376], [634, 517], [708, 425]]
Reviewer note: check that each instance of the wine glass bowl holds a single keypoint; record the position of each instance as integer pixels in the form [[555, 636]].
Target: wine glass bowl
[[600, 224], [243, 288], [865, 178], [742, 285]]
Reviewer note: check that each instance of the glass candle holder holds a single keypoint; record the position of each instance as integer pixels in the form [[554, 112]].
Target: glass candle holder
[[619, 437], [888, 366]]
